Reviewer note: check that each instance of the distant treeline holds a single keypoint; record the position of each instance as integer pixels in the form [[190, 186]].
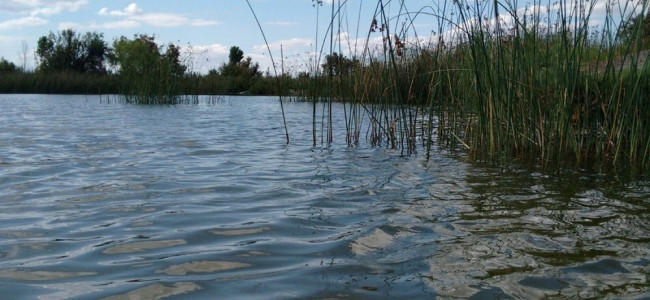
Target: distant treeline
[[69, 82], [72, 63]]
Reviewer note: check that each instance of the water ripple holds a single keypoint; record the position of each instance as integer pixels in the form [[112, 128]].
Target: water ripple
[[193, 201]]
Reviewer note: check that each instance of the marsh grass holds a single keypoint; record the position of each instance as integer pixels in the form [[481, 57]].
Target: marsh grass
[[57, 83], [540, 84], [284, 120], [154, 85]]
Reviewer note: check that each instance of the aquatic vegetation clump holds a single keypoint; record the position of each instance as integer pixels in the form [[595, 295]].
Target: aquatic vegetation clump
[[147, 74], [550, 83]]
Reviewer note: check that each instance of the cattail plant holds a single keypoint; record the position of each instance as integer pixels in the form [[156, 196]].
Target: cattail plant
[[500, 81]]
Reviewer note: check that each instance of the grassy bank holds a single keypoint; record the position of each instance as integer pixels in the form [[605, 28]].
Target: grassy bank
[[80, 83], [57, 83]]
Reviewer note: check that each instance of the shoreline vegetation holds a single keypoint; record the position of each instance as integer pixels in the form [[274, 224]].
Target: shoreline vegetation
[[544, 83]]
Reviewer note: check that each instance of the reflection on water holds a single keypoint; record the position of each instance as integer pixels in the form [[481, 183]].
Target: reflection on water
[[375, 241], [40, 275], [113, 201], [202, 267], [158, 291], [142, 246], [538, 236]]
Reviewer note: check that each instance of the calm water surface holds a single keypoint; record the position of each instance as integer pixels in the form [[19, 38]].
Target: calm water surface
[[109, 200]]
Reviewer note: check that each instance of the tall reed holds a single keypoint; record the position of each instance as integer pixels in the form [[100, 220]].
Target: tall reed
[[154, 85], [284, 120], [499, 80]]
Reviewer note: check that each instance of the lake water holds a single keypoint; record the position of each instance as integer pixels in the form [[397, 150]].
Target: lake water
[[110, 200]]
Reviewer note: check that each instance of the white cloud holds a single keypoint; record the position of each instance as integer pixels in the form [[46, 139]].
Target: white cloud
[[298, 54], [201, 22], [160, 19], [132, 9], [129, 10], [17, 6], [41, 7], [264, 61], [214, 48], [202, 58], [69, 25], [124, 24], [14, 53], [133, 16], [57, 7], [96, 26], [22, 22], [286, 45]]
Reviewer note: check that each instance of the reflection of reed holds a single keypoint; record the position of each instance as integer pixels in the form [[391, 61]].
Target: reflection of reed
[[143, 246], [378, 239], [202, 267], [158, 291], [539, 236], [32, 275]]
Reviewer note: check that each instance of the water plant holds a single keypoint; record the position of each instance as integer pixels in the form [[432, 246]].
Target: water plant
[[284, 119], [500, 80], [148, 75]]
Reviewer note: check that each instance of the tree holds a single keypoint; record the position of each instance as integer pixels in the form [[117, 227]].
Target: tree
[[69, 51], [237, 65], [135, 56], [148, 71], [142, 56], [241, 72], [6, 66], [172, 56], [637, 27], [236, 55], [338, 64]]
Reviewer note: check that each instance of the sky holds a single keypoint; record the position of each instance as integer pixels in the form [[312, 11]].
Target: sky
[[206, 29]]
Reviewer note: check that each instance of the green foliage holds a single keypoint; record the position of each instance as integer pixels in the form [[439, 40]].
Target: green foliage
[[6, 66], [139, 56], [69, 82], [145, 71], [143, 56], [561, 95], [69, 51], [172, 56], [236, 55], [239, 74], [148, 74], [637, 27], [338, 65]]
